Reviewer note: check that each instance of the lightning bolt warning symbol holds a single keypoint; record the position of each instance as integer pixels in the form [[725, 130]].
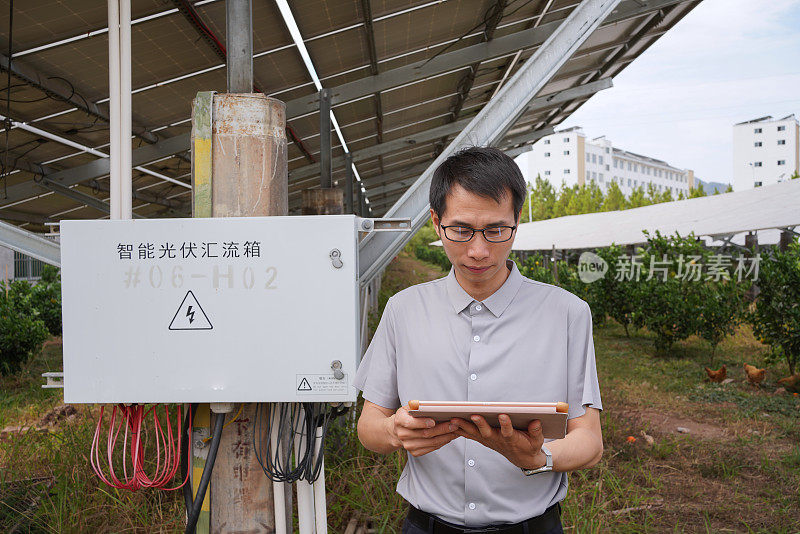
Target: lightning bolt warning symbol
[[190, 315]]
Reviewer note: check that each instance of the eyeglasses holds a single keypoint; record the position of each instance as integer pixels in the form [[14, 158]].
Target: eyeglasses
[[494, 234]]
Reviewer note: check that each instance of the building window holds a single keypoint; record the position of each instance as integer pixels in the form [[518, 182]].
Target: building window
[[608, 150], [566, 152], [781, 128], [547, 141], [566, 171], [756, 184], [547, 154], [781, 141], [629, 182], [566, 139], [594, 158], [629, 165], [635, 183], [588, 175], [757, 130], [757, 164], [758, 143], [607, 167], [547, 173], [601, 176], [781, 162], [601, 160], [615, 164], [588, 158]]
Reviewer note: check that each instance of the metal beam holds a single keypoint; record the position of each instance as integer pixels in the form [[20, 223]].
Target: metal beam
[[79, 196], [239, 45], [348, 185], [98, 168], [45, 84], [30, 244], [458, 59], [18, 216], [487, 128], [325, 177], [296, 176]]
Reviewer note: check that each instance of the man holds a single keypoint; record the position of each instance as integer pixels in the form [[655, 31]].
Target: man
[[483, 333]]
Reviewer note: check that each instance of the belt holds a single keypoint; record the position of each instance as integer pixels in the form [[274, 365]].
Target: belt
[[550, 519]]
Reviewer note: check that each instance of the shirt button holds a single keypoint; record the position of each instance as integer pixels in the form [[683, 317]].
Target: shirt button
[[471, 463], [473, 376], [472, 506], [476, 338], [479, 307]]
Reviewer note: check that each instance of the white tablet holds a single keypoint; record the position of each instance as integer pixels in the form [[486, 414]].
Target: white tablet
[[553, 415]]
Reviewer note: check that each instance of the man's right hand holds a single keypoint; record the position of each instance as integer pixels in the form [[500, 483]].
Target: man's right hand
[[418, 435]]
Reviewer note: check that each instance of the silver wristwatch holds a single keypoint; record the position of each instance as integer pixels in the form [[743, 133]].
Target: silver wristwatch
[[547, 467]]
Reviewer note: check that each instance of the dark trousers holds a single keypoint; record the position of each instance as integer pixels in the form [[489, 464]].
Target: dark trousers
[[411, 528]]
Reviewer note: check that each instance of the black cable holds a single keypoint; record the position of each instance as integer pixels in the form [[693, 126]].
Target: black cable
[[186, 434], [8, 94], [193, 514], [277, 462]]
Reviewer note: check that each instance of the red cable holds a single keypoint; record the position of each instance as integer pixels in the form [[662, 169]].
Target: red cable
[[167, 460]]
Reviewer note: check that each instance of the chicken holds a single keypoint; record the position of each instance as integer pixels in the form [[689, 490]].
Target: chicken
[[791, 383], [718, 375], [754, 375]]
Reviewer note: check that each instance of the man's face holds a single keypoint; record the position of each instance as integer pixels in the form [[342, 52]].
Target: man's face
[[477, 262]]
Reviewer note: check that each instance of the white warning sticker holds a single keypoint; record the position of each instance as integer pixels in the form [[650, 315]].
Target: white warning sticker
[[322, 385]]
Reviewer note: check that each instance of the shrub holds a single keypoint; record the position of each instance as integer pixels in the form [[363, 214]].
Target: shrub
[[21, 331], [776, 319], [46, 298], [611, 292], [667, 307]]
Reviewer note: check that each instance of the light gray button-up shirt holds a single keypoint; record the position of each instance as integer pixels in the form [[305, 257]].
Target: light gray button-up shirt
[[529, 341]]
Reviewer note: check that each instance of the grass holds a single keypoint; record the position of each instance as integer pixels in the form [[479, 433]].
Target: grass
[[737, 470]]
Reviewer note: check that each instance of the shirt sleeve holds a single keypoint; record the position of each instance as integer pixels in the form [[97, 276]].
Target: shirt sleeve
[[377, 374], [583, 387]]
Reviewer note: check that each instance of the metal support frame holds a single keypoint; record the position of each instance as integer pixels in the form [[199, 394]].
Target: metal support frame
[[81, 197], [459, 59], [239, 45], [98, 168], [376, 250], [30, 244], [325, 175], [348, 184]]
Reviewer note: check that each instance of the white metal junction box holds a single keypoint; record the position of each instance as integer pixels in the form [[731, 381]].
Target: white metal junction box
[[252, 309]]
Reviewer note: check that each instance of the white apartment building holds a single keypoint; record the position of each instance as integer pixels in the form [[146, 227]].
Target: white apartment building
[[568, 156], [765, 151]]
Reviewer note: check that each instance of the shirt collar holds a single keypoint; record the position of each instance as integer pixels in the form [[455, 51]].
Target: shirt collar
[[496, 303]]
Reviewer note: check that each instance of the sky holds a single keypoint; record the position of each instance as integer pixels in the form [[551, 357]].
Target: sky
[[727, 61]]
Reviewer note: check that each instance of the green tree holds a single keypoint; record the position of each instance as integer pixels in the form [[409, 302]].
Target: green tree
[[776, 319], [698, 191], [720, 309], [637, 198], [729, 189], [666, 303], [615, 294], [614, 199]]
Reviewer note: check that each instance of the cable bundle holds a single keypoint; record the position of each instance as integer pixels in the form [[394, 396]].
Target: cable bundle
[[288, 428], [134, 440]]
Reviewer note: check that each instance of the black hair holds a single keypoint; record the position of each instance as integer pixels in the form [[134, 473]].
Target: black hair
[[484, 171]]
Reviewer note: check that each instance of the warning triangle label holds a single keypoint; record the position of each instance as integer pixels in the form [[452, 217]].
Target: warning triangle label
[[190, 315], [304, 386]]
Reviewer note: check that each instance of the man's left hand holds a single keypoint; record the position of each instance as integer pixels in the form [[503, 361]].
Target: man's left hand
[[523, 449]]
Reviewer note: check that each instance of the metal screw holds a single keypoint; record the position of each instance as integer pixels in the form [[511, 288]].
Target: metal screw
[[366, 224], [336, 365], [335, 256]]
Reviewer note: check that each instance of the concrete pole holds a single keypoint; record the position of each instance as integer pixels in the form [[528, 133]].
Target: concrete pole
[[250, 179], [239, 45]]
